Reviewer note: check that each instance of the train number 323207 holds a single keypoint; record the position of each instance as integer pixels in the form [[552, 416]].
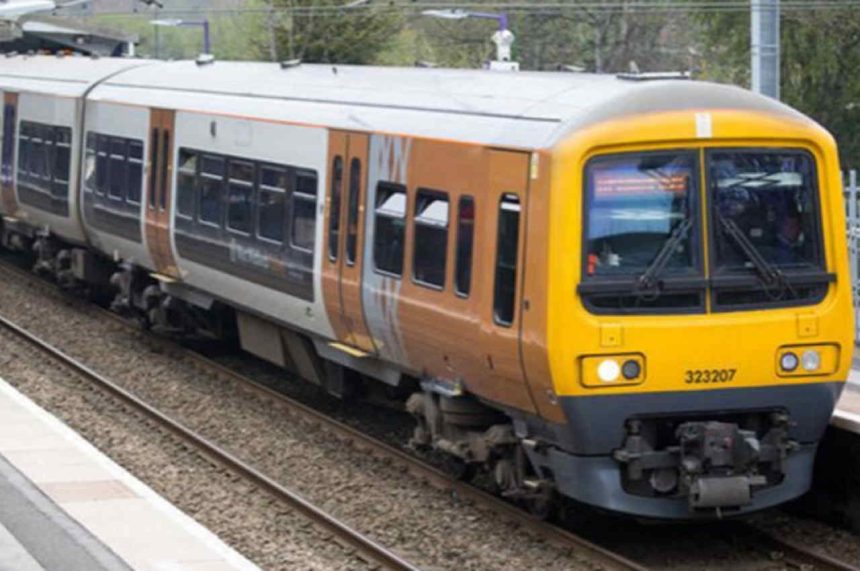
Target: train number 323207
[[696, 376]]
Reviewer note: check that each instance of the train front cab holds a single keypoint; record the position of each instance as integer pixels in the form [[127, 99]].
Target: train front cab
[[708, 328]]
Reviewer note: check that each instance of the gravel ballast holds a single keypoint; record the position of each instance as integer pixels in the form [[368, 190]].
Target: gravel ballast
[[426, 526], [250, 520]]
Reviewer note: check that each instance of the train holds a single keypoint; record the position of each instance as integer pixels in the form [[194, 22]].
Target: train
[[627, 291]]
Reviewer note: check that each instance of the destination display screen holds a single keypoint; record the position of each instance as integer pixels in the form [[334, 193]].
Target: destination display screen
[[625, 181]]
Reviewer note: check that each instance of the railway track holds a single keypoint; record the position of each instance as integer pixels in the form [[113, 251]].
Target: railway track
[[796, 556], [365, 547], [788, 554], [605, 558]]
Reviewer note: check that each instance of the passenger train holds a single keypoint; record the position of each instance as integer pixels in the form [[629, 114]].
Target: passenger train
[[631, 291]]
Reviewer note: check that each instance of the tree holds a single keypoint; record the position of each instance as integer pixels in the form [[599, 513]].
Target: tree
[[600, 39], [322, 31], [820, 56]]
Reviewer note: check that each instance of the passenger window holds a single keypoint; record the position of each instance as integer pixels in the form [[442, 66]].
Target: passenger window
[[430, 251], [211, 189], [116, 172], [153, 167], [352, 211], [303, 225], [334, 211], [507, 245], [61, 160], [389, 228], [186, 180], [32, 156], [24, 150], [134, 170], [44, 155], [240, 196], [101, 164], [465, 238], [271, 202], [90, 163]]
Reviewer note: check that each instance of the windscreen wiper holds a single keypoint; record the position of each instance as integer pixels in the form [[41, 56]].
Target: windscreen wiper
[[769, 275], [650, 278]]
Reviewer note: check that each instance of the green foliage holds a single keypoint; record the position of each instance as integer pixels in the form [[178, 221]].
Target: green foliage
[[820, 57], [232, 35], [333, 36], [820, 49], [820, 53]]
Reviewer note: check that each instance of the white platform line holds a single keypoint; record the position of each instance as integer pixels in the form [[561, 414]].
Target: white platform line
[[194, 528]]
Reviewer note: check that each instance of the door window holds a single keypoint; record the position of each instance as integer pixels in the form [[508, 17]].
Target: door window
[[352, 212], [507, 246]]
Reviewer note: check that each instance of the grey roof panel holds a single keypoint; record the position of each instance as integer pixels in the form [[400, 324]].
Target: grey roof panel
[[69, 76], [521, 109]]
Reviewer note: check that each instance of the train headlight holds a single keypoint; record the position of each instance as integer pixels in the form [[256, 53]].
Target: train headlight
[[807, 360], [788, 362], [810, 360], [608, 371], [605, 371]]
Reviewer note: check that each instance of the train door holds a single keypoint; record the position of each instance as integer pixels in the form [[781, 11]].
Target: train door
[[7, 160], [508, 179], [345, 232], [159, 184]]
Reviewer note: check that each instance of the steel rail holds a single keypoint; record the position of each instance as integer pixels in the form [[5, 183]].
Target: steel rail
[[796, 554], [410, 463], [789, 551], [434, 476], [369, 549]]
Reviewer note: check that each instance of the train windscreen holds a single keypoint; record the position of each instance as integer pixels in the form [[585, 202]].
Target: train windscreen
[[644, 236], [635, 203], [770, 197]]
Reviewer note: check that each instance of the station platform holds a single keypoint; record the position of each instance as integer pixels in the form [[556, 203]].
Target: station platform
[[65, 506], [847, 413]]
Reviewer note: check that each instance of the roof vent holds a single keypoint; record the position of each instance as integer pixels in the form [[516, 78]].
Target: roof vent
[[205, 59], [11, 54], [424, 63], [570, 68], [654, 75], [291, 63]]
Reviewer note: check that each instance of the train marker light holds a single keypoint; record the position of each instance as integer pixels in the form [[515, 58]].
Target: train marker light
[[611, 371], [810, 360], [807, 360], [608, 371], [789, 362], [631, 369]]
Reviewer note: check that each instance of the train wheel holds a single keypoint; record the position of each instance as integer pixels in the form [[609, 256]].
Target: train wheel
[[459, 469], [542, 504]]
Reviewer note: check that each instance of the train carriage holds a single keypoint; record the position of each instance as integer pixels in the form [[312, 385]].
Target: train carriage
[[43, 102], [630, 291]]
